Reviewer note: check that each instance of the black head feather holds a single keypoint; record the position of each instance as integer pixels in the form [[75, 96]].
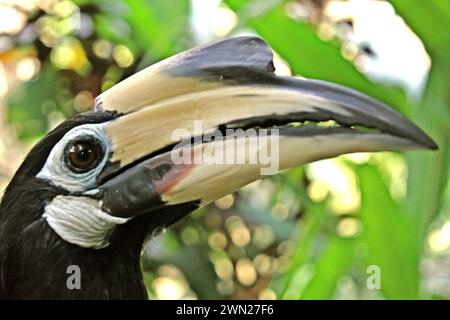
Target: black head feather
[[34, 259]]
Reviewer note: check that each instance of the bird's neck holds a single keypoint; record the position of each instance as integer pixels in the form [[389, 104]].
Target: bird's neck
[[49, 268], [36, 263]]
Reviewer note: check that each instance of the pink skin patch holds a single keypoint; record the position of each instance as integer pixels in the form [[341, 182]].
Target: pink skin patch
[[170, 178]]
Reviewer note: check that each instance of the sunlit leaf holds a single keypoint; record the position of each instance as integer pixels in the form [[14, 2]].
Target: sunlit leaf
[[389, 232], [333, 264]]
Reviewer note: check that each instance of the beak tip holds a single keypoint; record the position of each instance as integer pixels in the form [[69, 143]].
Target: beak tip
[[432, 145], [428, 143]]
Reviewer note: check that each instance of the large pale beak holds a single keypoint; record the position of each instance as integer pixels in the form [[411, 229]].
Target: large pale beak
[[230, 85]]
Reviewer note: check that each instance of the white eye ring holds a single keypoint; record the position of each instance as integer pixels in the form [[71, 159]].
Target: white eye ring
[[56, 168]]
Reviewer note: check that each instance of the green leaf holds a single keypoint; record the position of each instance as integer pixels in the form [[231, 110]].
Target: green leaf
[[158, 25], [312, 57], [430, 20], [237, 5], [334, 263], [111, 28], [307, 233], [429, 170], [154, 27], [390, 236], [27, 104]]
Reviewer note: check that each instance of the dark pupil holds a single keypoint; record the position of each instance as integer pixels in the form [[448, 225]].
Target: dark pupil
[[83, 155]]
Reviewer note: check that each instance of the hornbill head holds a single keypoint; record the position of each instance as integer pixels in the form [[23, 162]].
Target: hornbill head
[[91, 191]]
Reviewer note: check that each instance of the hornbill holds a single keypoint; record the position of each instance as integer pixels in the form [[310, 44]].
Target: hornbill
[[98, 186]]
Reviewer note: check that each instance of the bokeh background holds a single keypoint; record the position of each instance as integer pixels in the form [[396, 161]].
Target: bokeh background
[[311, 232]]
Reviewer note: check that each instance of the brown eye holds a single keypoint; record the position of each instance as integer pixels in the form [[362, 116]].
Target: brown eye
[[83, 155]]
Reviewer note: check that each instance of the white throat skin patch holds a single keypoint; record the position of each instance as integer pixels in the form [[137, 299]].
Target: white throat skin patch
[[80, 221]]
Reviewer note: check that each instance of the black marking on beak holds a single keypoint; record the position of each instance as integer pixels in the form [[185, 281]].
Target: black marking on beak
[[133, 191]]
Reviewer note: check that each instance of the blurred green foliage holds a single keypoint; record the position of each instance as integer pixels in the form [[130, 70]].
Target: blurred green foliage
[[271, 239]]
